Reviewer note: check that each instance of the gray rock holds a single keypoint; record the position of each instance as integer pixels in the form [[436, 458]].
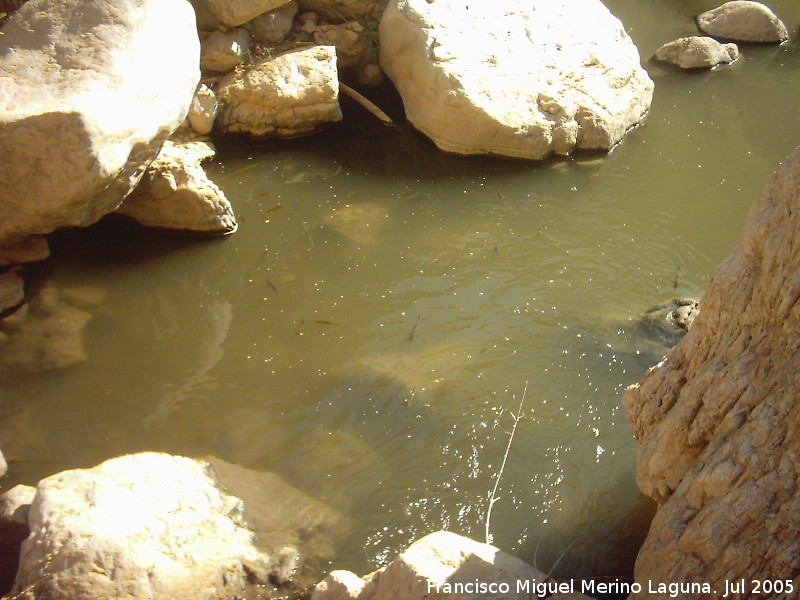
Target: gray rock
[[669, 322], [67, 159], [223, 50], [743, 21], [273, 27], [697, 52]]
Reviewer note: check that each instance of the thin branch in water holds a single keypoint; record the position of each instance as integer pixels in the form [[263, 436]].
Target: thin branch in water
[[493, 497], [370, 106]]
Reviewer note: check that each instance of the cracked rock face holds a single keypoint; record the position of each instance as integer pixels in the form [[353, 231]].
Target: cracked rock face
[[522, 78], [125, 74], [718, 420]]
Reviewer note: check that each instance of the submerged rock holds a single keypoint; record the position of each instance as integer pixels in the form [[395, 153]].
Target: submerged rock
[[522, 78], [43, 335], [176, 193], [273, 27], [669, 322], [697, 52], [223, 50], [31, 249], [152, 525], [12, 290], [743, 21], [125, 75], [718, 420], [430, 565], [292, 94]]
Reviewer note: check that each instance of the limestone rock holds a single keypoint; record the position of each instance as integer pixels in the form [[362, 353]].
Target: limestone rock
[[203, 110], [350, 39], [31, 249], [718, 419], [14, 506], [3, 465], [237, 12], [223, 50], [743, 21], [125, 75], [437, 559], [523, 78], [140, 526], [273, 27], [292, 94], [152, 525], [43, 335], [207, 21], [339, 11], [12, 290], [697, 52], [176, 193]]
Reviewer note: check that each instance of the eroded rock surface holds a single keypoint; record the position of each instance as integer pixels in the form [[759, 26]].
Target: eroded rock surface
[[292, 94], [274, 26], [176, 193], [125, 75], [718, 419], [523, 78], [697, 52], [743, 21], [31, 249], [339, 11], [438, 559]]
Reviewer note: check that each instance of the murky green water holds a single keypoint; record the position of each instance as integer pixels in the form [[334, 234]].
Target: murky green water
[[368, 332]]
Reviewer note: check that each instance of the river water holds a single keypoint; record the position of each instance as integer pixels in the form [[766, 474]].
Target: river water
[[369, 331]]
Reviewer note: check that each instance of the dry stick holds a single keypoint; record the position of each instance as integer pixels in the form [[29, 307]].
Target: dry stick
[[493, 498], [384, 118]]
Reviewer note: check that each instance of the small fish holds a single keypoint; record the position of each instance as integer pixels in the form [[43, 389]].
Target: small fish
[[499, 195], [412, 334], [675, 282], [496, 249], [325, 323], [272, 286], [278, 206], [262, 194]]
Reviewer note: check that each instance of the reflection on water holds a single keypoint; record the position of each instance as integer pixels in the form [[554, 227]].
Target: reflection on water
[[369, 330]]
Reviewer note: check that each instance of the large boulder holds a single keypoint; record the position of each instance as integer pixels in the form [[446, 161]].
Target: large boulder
[[157, 526], [124, 72], [233, 13], [338, 11], [292, 94], [523, 78], [176, 193], [718, 419], [743, 21], [446, 566], [697, 52]]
